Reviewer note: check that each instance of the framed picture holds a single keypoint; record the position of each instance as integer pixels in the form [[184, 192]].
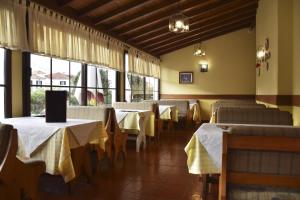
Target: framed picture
[[186, 77]]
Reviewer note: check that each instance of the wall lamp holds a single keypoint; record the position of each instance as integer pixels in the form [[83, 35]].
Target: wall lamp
[[203, 66]]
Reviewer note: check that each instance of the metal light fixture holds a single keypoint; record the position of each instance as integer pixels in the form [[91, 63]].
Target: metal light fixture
[[199, 50], [179, 23]]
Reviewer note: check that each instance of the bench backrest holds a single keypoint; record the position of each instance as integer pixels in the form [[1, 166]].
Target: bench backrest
[[232, 103], [183, 106], [271, 116], [264, 158]]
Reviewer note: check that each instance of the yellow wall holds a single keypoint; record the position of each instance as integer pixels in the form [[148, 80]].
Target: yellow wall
[[17, 107], [285, 47], [231, 61], [280, 22], [231, 68], [267, 27]]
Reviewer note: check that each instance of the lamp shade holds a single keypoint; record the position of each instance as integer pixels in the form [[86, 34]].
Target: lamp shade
[[179, 23]]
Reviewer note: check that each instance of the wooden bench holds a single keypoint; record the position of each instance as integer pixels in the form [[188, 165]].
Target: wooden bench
[[18, 179], [261, 161]]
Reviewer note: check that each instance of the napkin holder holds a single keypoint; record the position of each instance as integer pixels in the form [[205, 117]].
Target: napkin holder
[[56, 106]]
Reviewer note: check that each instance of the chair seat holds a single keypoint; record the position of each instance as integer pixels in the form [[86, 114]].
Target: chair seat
[[242, 193]]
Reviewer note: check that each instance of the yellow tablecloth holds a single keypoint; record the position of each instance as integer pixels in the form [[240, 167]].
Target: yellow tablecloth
[[56, 151], [170, 113], [198, 161], [195, 112], [140, 122]]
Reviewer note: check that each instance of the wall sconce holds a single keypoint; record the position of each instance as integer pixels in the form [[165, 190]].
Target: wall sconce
[[203, 67], [263, 55]]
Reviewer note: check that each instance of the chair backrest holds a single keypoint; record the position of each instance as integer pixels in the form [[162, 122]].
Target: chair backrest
[[270, 116], [87, 112], [233, 103], [183, 106], [261, 157], [138, 106], [102, 113]]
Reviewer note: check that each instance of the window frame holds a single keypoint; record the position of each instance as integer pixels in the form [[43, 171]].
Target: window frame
[[26, 70], [51, 85], [7, 83]]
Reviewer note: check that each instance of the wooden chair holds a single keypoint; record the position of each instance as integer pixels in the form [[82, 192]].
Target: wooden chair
[[259, 145], [18, 179]]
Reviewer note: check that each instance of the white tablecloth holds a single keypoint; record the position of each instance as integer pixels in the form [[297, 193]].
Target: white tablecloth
[[136, 120], [52, 142], [204, 150]]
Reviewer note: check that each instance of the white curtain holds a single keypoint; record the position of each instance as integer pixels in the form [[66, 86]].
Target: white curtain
[[143, 64], [13, 33], [99, 52], [116, 54], [55, 35]]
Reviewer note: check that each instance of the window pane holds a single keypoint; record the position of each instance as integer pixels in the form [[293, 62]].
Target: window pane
[[38, 100], [1, 102], [40, 70], [149, 87], [75, 74], [128, 81], [137, 83], [112, 78], [60, 72], [91, 97], [155, 96], [156, 84], [128, 95], [106, 96], [1, 66], [137, 95], [91, 76], [75, 96]]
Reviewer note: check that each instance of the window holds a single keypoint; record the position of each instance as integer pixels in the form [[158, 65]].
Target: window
[[53, 74], [101, 85], [139, 88], [2, 83], [151, 88]]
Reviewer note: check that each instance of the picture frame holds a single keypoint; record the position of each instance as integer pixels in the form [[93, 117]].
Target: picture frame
[[186, 77]]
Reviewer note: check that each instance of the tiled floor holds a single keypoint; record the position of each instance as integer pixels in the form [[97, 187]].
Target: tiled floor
[[157, 173]]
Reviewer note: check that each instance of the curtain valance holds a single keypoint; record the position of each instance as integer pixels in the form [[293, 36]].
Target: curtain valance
[[55, 35], [13, 33], [143, 64]]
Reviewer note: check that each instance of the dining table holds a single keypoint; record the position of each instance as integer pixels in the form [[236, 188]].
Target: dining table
[[53, 142]]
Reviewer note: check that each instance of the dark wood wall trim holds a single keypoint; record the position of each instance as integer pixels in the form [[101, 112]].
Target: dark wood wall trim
[[8, 84], [281, 100], [271, 99], [206, 96]]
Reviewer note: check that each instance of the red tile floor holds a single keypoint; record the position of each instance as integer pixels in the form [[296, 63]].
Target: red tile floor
[[157, 173]]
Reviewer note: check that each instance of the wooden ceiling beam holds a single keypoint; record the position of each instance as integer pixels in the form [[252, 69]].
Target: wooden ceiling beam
[[119, 11], [156, 19], [64, 3], [198, 35], [91, 7], [163, 6], [196, 15], [200, 39], [215, 15], [200, 28]]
